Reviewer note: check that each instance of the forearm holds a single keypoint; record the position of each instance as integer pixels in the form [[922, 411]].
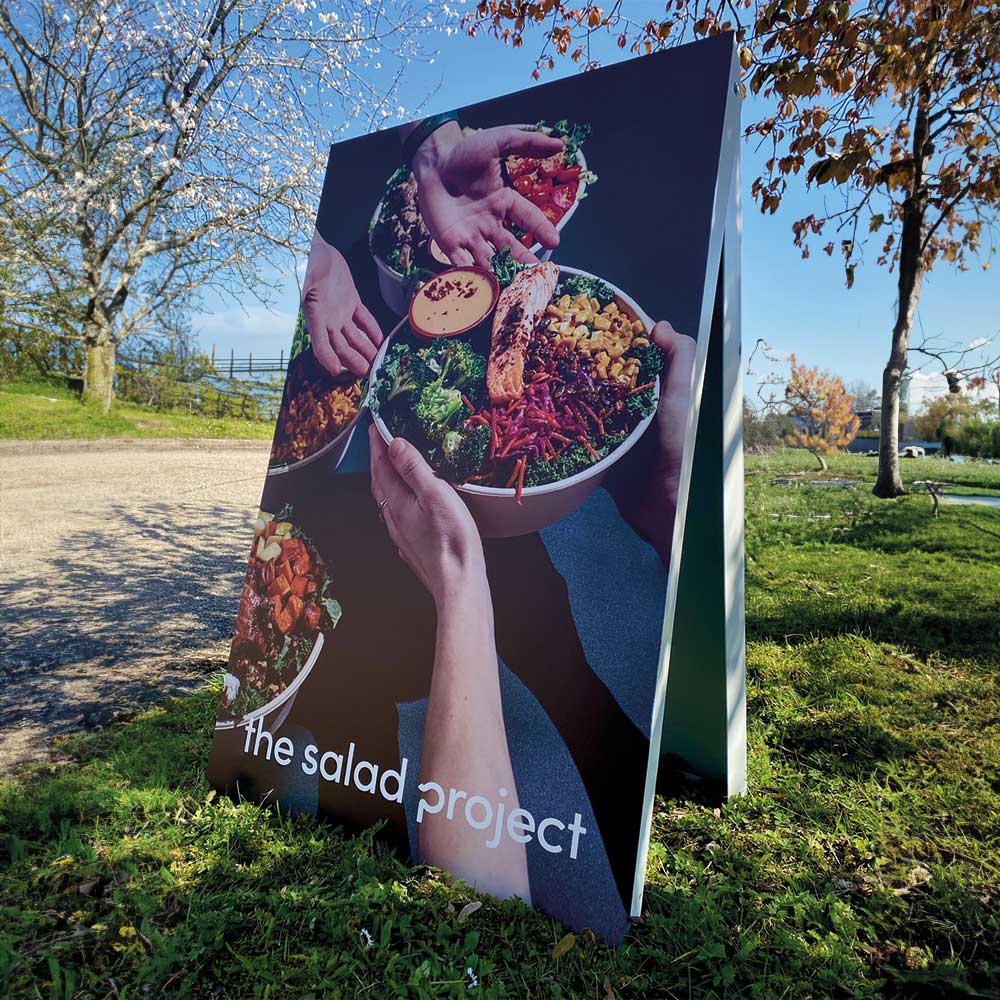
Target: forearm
[[465, 744]]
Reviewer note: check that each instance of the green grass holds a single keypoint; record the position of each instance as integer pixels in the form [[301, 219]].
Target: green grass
[[864, 862], [33, 411]]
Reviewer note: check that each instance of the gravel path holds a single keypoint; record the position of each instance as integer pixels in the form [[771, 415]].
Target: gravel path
[[120, 569]]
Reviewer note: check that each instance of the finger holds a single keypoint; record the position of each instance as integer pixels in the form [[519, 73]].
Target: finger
[[359, 340], [523, 142], [413, 469], [460, 257], [504, 239], [348, 355], [678, 354], [386, 483], [530, 217], [482, 252], [324, 352], [367, 322]]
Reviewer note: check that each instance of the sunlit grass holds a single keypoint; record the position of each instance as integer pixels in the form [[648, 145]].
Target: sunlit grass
[[865, 860]]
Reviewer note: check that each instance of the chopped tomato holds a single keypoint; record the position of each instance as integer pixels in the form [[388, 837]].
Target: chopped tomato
[[540, 195], [569, 175], [523, 184], [528, 239], [563, 196], [519, 165], [552, 213]]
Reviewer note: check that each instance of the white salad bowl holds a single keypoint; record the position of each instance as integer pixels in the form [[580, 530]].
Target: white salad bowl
[[397, 290], [286, 695], [496, 510]]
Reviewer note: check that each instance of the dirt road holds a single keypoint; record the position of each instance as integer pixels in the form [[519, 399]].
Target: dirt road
[[120, 569]]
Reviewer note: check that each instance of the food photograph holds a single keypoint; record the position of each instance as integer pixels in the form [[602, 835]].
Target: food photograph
[[456, 614]]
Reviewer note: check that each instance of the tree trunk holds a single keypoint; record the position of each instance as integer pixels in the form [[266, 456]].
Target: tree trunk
[[911, 276], [818, 455], [99, 378]]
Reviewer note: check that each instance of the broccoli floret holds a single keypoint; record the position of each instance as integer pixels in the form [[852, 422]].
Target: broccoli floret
[[577, 284], [650, 359], [464, 452], [436, 408], [505, 267], [400, 372], [455, 363], [574, 459]]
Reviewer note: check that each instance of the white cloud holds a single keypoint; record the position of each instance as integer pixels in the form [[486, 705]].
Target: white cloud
[[978, 342], [243, 330]]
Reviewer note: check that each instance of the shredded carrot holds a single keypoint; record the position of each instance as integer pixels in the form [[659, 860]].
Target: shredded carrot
[[593, 451], [640, 388], [521, 465]]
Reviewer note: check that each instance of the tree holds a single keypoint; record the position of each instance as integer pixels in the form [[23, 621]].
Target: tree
[[865, 396], [764, 429], [988, 378], [153, 150], [895, 102], [821, 412], [942, 414]]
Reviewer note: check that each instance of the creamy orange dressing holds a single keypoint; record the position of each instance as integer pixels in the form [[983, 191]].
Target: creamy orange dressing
[[452, 302]]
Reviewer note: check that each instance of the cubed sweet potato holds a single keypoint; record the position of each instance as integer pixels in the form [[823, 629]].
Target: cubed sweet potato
[[310, 615], [299, 586]]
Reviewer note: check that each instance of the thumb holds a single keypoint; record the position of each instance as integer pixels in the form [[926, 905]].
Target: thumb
[[510, 139], [412, 467]]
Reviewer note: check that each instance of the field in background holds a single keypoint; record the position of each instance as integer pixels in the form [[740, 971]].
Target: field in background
[[864, 862], [35, 411]]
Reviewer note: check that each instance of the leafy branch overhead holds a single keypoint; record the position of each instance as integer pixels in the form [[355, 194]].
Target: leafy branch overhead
[[893, 102]]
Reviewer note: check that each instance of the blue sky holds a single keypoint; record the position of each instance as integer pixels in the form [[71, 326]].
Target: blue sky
[[794, 304]]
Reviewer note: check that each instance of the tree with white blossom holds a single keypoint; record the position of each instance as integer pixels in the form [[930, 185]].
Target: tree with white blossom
[[150, 149]]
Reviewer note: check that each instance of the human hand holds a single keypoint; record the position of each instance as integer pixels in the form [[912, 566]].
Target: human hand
[[463, 200], [644, 484], [430, 526], [343, 333]]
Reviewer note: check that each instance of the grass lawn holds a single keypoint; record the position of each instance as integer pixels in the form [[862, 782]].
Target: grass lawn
[[864, 862], [33, 411]]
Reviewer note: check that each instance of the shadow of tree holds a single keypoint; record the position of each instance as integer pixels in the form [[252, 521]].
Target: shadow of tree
[[121, 616]]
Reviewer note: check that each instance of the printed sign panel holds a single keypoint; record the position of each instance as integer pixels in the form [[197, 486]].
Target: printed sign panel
[[453, 616]]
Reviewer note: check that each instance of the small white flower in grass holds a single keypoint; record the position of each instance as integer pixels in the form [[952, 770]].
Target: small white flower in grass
[[367, 941], [473, 978]]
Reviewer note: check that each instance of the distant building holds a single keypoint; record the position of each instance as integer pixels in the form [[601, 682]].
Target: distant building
[[868, 419]]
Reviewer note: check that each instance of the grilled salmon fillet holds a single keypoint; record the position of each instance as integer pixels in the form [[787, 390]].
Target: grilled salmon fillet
[[518, 311]]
